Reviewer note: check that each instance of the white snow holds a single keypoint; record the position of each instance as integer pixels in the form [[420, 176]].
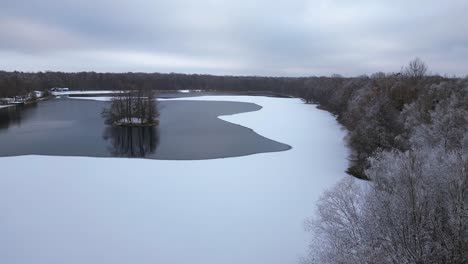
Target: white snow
[[5, 106], [94, 98], [188, 91], [133, 120], [39, 94], [247, 210], [83, 92]]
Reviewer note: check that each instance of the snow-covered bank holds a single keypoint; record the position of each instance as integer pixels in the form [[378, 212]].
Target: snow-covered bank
[[94, 98], [236, 210], [189, 91], [5, 106], [59, 93]]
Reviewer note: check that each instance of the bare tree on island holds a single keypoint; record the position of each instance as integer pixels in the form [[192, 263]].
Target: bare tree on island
[[137, 108]]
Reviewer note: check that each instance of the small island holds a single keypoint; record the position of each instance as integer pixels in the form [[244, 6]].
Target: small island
[[137, 108]]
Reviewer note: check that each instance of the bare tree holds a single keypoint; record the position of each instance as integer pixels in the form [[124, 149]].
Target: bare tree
[[416, 69], [338, 234], [132, 108]]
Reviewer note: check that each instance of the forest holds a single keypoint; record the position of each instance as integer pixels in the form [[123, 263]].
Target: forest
[[408, 133], [409, 137], [17, 83]]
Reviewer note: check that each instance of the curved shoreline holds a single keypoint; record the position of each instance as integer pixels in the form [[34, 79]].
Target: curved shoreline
[[144, 204], [188, 130], [207, 98], [222, 117]]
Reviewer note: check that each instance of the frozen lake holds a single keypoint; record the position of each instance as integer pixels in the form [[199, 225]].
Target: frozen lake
[[247, 209]]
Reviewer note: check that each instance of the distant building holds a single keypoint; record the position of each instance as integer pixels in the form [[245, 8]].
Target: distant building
[[3, 101], [6, 101], [38, 94], [19, 100]]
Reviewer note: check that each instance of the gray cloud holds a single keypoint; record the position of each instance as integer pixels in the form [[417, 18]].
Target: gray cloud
[[292, 38]]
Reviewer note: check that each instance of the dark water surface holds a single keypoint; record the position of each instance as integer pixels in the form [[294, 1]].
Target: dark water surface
[[188, 130]]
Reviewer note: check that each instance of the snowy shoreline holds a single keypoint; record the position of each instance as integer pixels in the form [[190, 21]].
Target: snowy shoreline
[[147, 211], [6, 106], [72, 92], [135, 122]]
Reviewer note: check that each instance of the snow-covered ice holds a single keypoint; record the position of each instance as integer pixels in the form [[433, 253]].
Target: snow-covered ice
[[5, 106], [189, 91], [82, 92], [236, 210]]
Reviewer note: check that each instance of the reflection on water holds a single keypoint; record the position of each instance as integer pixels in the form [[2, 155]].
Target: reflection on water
[[12, 115], [8, 116], [131, 141], [188, 130]]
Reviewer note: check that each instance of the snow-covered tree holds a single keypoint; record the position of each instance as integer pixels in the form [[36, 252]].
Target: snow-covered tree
[[413, 211], [338, 234]]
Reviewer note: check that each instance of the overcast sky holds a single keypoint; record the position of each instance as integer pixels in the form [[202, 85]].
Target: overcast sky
[[241, 37]]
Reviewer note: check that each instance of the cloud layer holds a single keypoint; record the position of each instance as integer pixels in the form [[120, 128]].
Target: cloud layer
[[278, 38]]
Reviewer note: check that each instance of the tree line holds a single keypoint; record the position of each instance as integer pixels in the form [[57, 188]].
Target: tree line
[[409, 135], [19, 83]]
